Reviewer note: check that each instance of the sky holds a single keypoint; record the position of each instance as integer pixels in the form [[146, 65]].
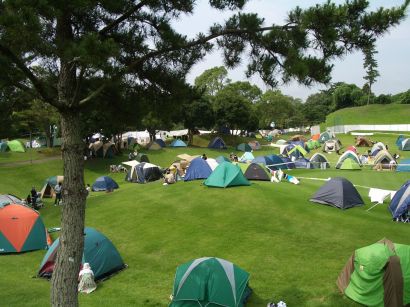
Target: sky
[[393, 48]]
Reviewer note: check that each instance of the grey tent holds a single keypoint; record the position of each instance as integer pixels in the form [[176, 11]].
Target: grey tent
[[338, 192]]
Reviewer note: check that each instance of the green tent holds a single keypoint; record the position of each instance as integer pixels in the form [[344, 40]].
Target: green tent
[[244, 147], [141, 157], [299, 148], [378, 275], [226, 175], [311, 144], [210, 282], [16, 146], [350, 164]]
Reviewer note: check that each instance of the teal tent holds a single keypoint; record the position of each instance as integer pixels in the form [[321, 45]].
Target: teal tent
[[178, 143], [221, 159], [244, 147], [99, 252], [210, 282], [226, 175], [403, 166]]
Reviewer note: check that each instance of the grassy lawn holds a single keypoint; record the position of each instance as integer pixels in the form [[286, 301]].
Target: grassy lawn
[[293, 249], [30, 154]]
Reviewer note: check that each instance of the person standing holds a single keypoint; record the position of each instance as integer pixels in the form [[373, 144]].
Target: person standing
[[34, 196], [58, 189]]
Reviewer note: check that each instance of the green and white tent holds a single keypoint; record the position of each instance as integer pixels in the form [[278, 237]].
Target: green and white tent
[[210, 282], [226, 175], [350, 164], [378, 275]]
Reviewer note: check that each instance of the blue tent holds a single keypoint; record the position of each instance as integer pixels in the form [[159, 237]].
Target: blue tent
[[399, 140], [263, 160], [300, 143], [403, 166], [217, 143], [302, 163], [401, 201], [104, 183], [247, 156], [289, 163], [178, 143], [198, 169], [160, 142]]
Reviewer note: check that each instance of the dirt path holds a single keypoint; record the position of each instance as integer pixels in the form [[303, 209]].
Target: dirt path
[[25, 162]]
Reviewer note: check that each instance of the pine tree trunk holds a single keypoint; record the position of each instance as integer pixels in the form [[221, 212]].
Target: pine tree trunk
[[65, 276]]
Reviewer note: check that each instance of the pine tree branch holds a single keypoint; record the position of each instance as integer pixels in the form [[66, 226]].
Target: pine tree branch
[[39, 86]]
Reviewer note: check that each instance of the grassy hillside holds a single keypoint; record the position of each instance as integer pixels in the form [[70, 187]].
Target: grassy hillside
[[371, 114], [293, 249]]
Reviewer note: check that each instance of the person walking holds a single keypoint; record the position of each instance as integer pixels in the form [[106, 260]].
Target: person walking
[[58, 189]]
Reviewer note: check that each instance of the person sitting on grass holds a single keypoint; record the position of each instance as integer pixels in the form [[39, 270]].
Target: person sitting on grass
[[169, 178], [86, 279]]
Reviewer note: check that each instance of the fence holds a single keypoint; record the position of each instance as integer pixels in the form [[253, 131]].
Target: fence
[[348, 128]]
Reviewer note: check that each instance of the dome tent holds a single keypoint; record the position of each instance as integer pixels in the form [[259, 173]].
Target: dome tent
[[16, 146], [198, 169], [160, 142], [255, 171], [178, 143], [226, 175], [221, 159], [224, 284], [244, 147], [400, 203], [318, 160], [347, 154], [217, 143], [147, 172], [338, 192], [21, 229], [48, 188], [104, 183], [99, 252], [9, 199]]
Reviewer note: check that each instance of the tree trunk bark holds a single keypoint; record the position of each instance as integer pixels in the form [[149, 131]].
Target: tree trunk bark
[[65, 277]]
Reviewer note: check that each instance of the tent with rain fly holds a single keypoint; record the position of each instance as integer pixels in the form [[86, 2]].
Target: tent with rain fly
[[363, 142], [141, 157], [345, 155], [21, 229], [48, 188], [294, 151], [400, 203], [405, 145], [274, 162], [3, 147], [255, 145], [99, 252], [244, 147], [131, 173], [383, 157], [302, 163], [212, 163], [226, 175], [378, 275], [338, 192], [198, 169], [210, 282], [325, 136], [160, 142], [178, 143], [255, 171], [331, 146], [154, 146], [318, 160], [217, 143], [350, 164], [247, 156], [376, 148], [16, 146], [9, 199], [104, 183], [221, 159], [399, 140], [147, 172], [403, 166]]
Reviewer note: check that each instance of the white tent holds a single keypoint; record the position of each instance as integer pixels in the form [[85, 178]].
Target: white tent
[[212, 163], [133, 164]]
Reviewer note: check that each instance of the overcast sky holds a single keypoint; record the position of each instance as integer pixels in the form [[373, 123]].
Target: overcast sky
[[393, 48]]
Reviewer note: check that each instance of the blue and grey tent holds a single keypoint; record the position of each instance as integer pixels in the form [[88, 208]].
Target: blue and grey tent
[[302, 163], [160, 142], [147, 172], [399, 140], [403, 166], [263, 160], [178, 143], [287, 163], [104, 183], [405, 145], [400, 203], [318, 160], [198, 169], [217, 143], [276, 163]]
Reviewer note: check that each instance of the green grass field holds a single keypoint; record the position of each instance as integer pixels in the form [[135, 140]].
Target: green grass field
[[374, 113], [293, 249]]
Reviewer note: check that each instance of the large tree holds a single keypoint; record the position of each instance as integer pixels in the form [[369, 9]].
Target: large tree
[[134, 40]]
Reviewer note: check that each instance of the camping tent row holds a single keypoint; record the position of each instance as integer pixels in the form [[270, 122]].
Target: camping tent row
[[21, 229], [14, 146], [102, 150]]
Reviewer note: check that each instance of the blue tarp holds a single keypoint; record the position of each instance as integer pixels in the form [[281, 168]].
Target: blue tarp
[[178, 143], [104, 183], [401, 201], [198, 169], [404, 166], [217, 143]]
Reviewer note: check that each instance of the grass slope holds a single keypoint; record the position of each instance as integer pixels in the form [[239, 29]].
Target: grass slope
[[293, 249], [371, 114]]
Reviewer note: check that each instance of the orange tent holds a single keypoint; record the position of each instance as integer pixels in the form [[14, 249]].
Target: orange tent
[[315, 137]]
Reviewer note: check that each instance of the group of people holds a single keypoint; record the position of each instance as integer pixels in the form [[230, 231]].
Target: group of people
[[233, 157]]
